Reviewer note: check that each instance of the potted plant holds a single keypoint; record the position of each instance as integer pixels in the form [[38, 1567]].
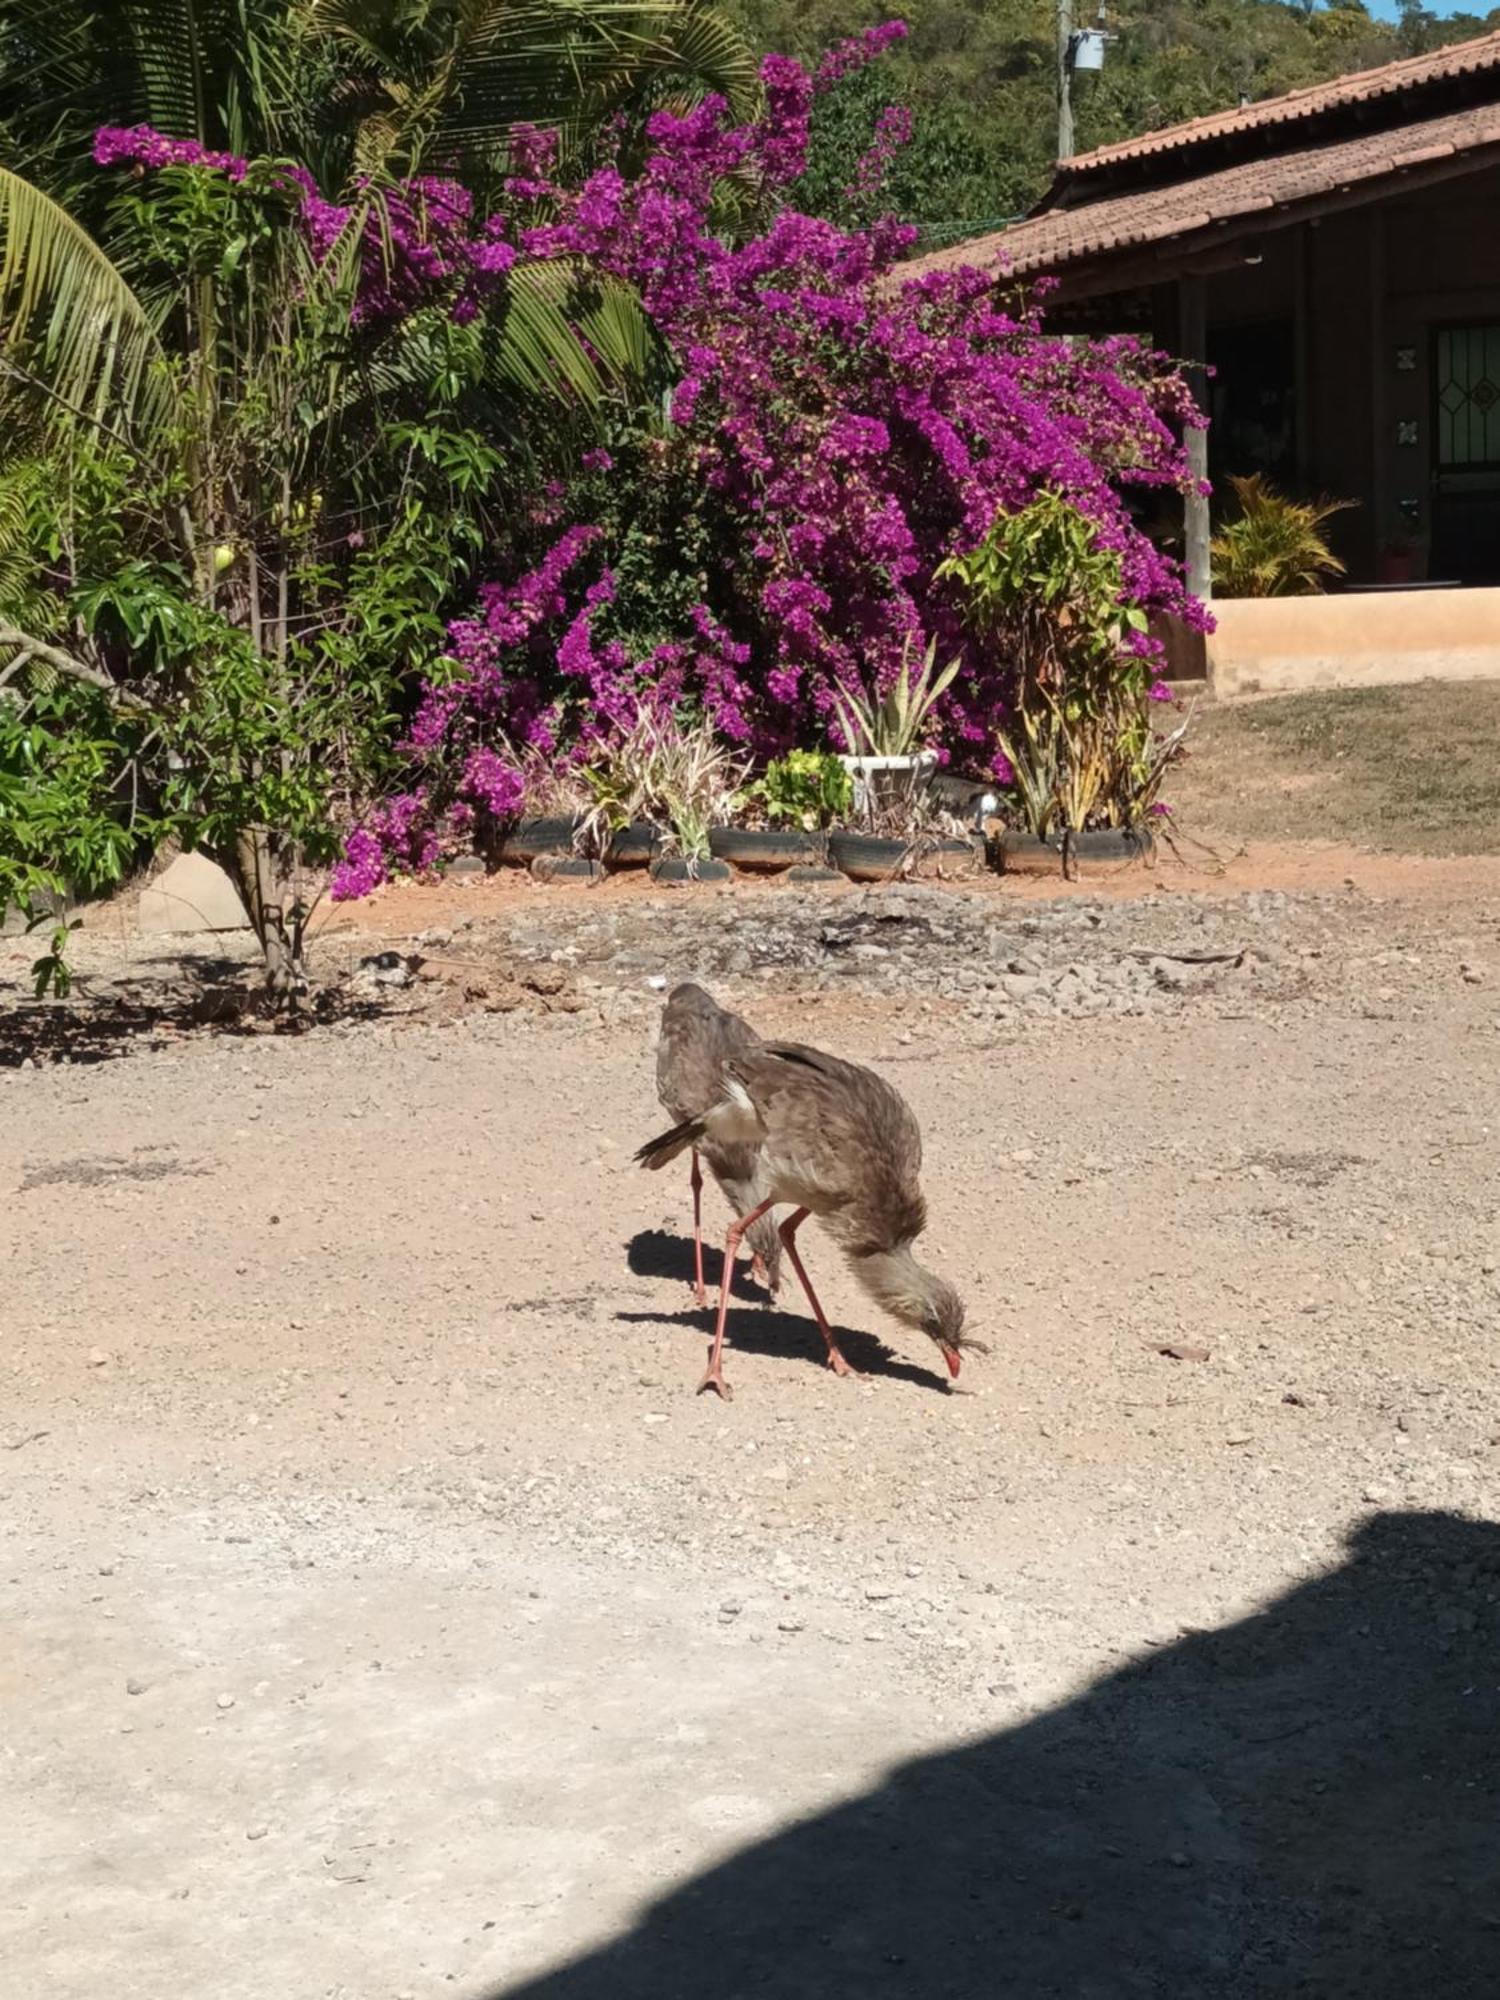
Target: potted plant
[[546, 814], [1089, 789], [1398, 560], [551, 827], [911, 835], [801, 795], [886, 734], [1275, 546], [1086, 763], [621, 826]]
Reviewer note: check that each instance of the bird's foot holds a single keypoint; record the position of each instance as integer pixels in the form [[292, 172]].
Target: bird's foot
[[713, 1378], [837, 1362]]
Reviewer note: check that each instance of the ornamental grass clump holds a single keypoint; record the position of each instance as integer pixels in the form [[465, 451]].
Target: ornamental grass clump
[[671, 773]]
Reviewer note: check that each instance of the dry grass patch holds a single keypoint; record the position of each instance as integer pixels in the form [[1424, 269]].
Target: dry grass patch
[[1412, 769]]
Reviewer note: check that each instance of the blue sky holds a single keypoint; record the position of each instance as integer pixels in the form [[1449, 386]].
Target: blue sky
[[1387, 10]]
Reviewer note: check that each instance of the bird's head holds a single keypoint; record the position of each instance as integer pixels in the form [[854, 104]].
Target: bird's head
[[942, 1319], [919, 1298]]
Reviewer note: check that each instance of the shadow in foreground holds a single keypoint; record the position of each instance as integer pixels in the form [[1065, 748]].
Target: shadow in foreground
[[1303, 1803]]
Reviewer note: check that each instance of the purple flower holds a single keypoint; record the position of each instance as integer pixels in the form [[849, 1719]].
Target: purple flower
[[893, 129], [396, 838], [489, 781], [141, 146]]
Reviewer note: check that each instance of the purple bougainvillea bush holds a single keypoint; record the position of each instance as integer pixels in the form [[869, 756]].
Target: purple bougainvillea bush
[[833, 434], [770, 524], [773, 525]]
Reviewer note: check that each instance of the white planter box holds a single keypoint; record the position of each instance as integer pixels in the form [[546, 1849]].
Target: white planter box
[[889, 778]]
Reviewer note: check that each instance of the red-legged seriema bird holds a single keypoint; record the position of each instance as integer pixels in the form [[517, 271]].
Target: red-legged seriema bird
[[697, 1038], [835, 1141]]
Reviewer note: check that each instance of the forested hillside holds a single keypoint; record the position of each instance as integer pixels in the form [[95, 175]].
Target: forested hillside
[[979, 77]]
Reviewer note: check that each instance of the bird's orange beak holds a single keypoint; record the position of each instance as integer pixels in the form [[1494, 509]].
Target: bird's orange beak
[[951, 1356]]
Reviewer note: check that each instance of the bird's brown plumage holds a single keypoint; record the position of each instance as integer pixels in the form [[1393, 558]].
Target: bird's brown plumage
[[835, 1139], [698, 1037]]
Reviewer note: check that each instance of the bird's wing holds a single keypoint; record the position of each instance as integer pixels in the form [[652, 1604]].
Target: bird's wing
[[831, 1115], [855, 1095]]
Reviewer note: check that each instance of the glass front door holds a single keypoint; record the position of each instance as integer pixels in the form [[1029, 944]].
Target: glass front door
[[1466, 475]]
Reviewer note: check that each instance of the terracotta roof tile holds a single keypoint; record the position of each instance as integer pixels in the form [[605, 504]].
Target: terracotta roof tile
[[1413, 72], [1061, 237]]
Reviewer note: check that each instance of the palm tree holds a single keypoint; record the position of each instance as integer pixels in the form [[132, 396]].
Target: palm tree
[[351, 88], [319, 78]]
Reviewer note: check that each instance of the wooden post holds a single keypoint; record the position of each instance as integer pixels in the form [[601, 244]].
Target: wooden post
[[1064, 79], [1193, 321], [1380, 443], [1307, 445]]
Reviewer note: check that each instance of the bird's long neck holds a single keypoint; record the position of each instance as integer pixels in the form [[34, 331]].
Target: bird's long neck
[[895, 1280]]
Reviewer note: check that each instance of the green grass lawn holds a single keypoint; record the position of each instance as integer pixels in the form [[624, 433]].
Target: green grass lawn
[[1410, 770]]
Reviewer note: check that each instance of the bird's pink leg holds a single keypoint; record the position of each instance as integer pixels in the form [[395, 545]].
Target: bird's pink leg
[[713, 1375], [698, 1228], [788, 1233]]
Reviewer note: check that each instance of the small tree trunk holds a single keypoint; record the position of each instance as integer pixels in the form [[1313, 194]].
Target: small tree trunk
[[264, 872]]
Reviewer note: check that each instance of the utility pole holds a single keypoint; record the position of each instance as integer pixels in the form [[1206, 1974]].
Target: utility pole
[[1064, 78]]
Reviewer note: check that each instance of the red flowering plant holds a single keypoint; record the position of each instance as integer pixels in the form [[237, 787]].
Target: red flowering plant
[[784, 524]]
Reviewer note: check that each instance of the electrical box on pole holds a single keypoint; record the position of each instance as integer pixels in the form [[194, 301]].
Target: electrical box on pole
[[1080, 49]]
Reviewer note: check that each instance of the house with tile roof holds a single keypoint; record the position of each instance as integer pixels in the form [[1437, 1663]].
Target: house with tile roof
[[1333, 257]]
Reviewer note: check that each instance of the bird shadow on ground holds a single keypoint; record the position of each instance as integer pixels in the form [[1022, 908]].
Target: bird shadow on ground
[[1301, 1803], [657, 1253], [793, 1337], [790, 1336]]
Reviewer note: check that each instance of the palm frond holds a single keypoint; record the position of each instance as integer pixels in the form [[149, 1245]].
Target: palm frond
[[69, 322], [1275, 547], [18, 483], [466, 73], [231, 73], [554, 340], [531, 63], [223, 71]]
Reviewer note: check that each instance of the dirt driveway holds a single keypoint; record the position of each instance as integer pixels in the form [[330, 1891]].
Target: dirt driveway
[[385, 1616]]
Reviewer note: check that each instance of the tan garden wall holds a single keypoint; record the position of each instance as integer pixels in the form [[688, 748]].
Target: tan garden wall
[[1279, 645]]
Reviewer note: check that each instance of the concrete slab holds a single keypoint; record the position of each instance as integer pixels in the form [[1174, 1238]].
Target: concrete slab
[[191, 894]]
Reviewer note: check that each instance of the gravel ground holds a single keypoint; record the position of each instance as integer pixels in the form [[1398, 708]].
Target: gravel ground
[[386, 1617]]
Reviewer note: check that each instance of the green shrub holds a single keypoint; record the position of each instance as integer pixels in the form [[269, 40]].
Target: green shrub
[[806, 788]]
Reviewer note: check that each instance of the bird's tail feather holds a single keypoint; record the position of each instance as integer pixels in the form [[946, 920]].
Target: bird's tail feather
[[661, 1152]]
